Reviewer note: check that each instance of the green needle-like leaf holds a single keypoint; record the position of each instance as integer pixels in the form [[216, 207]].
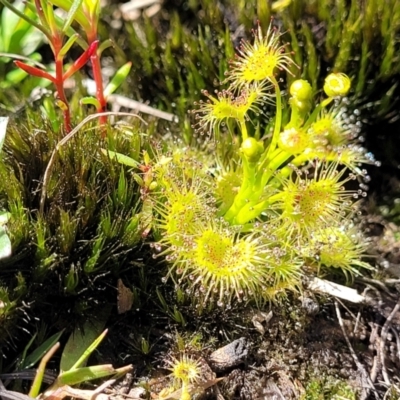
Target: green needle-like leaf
[[71, 14], [121, 158], [118, 79], [79, 15], [68, 45], [81, 344], [89, 350], [79, 375], [90, 101]]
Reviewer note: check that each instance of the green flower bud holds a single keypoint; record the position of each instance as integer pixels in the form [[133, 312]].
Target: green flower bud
[[153, 185], [252, 149], [301, 90], [337, 84]]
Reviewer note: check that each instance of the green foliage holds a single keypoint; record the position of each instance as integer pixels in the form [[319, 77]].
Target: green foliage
[[238, 219], [175, 59], [39, 352], [215, 207], [81, 343], [328, 388], [174, 66], [61, 38], [5, 243], [284, 207], [89, 223], [72, 372], [393, 392], [17, 38]]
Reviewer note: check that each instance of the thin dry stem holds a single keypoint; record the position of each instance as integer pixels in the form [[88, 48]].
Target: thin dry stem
[[380, 284], [122, 101], [353, 354], [396, 335], [384, 333], [373, 338]]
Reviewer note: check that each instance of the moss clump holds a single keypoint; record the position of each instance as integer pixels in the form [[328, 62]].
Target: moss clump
[[328, 388], [84, 224]]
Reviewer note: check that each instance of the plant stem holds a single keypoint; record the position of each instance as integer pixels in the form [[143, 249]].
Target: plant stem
[[317, 110], [56, 45], [286, 171], [243, 128], [254, 189], [60, 89], [96, 68], [271, 166], [246, 188], [253, 185], [278, 118]]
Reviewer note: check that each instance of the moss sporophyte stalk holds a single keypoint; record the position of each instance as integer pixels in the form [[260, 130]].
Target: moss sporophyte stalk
[[246, 222]]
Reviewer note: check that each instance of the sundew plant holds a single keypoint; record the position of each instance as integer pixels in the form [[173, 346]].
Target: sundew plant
[[278, 195]]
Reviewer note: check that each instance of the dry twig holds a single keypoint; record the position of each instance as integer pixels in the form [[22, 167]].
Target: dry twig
[[396, 335], [380, 284], [384, 332], [353, 354], [123, 101]]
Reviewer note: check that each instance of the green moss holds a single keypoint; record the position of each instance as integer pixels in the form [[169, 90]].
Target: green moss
[[328, 388], [88, 225]]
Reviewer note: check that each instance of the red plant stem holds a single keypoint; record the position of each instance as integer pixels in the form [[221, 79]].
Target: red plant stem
[[59, 83], [61, 95], [96, 68], [91, 35]]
